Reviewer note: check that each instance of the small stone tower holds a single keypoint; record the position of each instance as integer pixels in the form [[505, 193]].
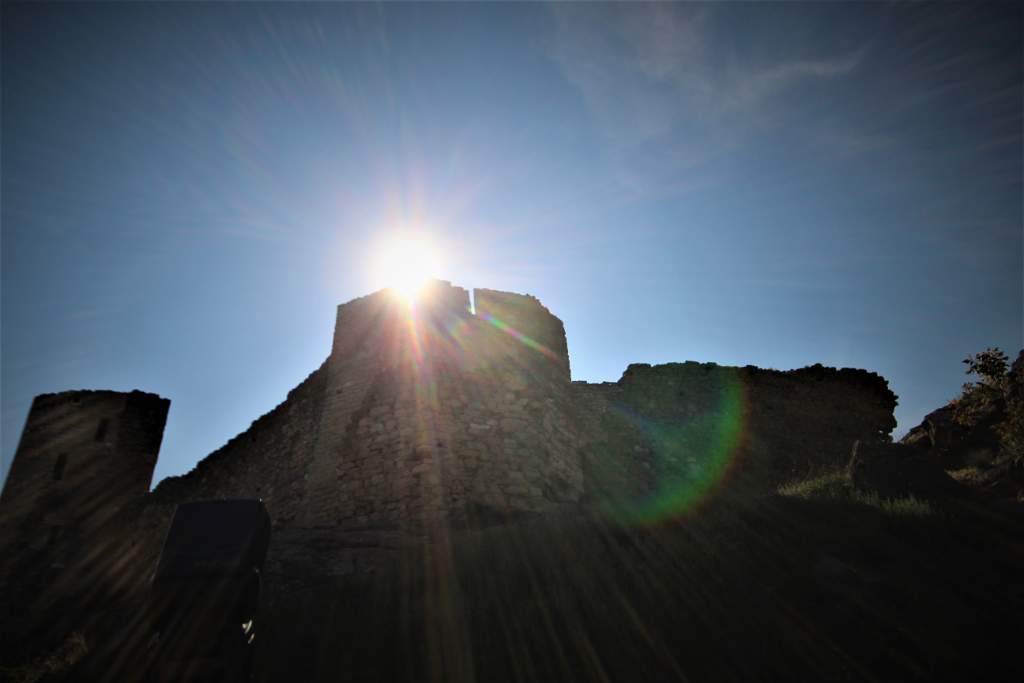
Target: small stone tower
[[83, 455]]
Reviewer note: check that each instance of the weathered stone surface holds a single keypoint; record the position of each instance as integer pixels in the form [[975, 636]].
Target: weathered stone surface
[[673, 420]]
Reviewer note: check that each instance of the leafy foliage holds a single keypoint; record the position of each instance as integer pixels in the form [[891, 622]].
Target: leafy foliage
[[993, 395], [983, 398], [990, 365], [1011, 433]]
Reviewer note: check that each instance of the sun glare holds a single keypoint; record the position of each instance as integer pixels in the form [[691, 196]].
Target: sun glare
[[406, 263]]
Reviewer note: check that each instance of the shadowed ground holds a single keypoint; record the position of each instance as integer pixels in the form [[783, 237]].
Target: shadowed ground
[[748, 588]]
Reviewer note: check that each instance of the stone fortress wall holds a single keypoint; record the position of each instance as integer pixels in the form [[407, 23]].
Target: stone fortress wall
[[455, 418]]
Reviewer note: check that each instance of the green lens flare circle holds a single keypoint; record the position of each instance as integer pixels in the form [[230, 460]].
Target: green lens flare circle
[[690, 455]]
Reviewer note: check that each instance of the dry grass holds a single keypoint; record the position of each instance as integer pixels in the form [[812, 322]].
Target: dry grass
[[838, 488]]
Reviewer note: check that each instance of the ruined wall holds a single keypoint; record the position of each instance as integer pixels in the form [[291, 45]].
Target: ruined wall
[[525, 318], [267, 461], [809, 418], [694, 423]]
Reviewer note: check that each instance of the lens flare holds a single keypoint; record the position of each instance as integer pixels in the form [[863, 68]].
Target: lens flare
[[516, 334], [689, 457]]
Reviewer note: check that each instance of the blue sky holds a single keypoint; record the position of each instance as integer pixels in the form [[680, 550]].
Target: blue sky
[[188, 190]]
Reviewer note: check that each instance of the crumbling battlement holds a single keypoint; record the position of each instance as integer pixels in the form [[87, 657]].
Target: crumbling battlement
[[266, 461], [846, 399], [525, 317], [677, 420]]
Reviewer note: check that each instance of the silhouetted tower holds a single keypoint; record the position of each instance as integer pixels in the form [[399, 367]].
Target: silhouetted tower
[[83, 455]]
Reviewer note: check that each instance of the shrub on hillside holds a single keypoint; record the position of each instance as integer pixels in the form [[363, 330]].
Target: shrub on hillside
[[1011, 433], [996, 395], [981, 399]]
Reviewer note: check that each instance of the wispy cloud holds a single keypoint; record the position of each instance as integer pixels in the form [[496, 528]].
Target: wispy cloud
[[669, 103], [750, 86]]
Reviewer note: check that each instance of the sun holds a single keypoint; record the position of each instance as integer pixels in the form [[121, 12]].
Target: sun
[[405, 263]]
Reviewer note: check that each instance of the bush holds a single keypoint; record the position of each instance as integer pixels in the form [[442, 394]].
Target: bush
[[1011, 433], [987, 396], [990, 365], [994, 395]]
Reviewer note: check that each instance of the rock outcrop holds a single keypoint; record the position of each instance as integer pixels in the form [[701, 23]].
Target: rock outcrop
[[900, 471], [977, 443]]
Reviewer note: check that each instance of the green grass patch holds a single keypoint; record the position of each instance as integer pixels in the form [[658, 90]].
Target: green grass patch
[[838, 487]]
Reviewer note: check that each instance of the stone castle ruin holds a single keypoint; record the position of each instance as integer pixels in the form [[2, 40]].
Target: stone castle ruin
[[439, 416]]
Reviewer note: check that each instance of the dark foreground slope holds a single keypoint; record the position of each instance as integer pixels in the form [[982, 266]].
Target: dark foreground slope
[[774, 590], [746, 588]]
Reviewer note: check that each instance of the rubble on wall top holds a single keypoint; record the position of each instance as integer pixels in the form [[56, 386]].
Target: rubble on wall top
[[97, 392], [816, 372]]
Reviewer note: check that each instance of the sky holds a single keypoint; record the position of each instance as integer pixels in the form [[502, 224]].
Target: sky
[[188, 190]]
